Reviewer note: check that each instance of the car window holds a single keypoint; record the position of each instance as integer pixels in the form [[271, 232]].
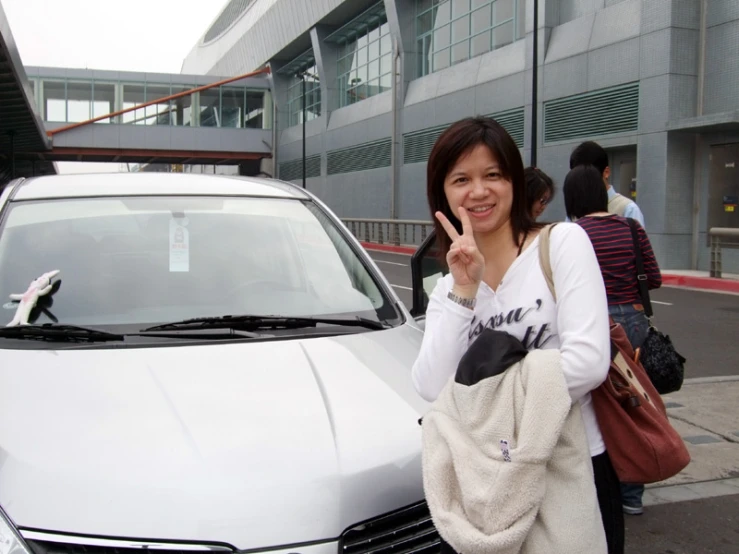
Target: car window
[[426, 270], [154, 259]]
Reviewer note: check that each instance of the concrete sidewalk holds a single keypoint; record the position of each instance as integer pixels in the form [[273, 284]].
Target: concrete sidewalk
[[705, 414]]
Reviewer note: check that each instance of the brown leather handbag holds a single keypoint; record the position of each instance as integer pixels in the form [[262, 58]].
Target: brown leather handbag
[[640, 440]]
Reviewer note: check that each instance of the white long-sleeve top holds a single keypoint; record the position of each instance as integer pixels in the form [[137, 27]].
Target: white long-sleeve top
[[577, 324]]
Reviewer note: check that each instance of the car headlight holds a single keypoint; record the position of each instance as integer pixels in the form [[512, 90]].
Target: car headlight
[[10, 541]]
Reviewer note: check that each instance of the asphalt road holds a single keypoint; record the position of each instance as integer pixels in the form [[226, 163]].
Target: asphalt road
[[695, 527], [703, 326]]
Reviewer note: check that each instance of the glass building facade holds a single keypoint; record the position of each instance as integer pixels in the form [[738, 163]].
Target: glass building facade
[[312, 95], [365, 61], [452, 31]]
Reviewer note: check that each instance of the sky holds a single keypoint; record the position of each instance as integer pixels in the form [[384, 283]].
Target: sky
[[130, 35]]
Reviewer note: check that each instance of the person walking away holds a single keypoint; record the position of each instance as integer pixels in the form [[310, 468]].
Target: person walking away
[[477, 194], [586, 203], [592, 153]]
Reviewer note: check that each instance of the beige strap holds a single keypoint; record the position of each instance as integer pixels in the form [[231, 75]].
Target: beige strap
[[625, 371], [544, 258]]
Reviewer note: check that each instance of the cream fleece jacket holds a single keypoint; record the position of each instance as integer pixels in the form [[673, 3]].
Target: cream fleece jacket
[[535, 496]]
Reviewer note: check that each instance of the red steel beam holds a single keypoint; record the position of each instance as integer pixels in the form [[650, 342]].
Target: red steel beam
[[65, 151]]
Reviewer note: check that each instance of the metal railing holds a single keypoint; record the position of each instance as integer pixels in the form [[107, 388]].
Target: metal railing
[[398, 232], [721, 237]]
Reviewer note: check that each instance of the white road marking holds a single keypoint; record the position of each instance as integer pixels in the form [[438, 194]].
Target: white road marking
[[400, 287], [391, 263], [663, 303]]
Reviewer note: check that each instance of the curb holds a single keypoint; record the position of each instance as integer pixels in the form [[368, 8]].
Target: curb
[[700, 283], [711, 284]]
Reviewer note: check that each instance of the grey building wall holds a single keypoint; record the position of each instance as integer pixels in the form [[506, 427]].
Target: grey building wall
[[722, 56], [585, 46]]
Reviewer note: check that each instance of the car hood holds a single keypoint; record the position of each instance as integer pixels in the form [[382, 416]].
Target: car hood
[[250, 444]]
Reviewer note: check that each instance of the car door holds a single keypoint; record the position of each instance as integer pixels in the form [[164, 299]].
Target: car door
[[426, 269]]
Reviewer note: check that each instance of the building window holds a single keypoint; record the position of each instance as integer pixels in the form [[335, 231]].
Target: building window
[[312, 95], [452, 31], [365, 63]]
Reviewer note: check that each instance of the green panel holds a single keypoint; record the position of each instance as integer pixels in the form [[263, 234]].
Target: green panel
[[417, 145], [602, 112], [293, 170], [371, 155], [513, 122]]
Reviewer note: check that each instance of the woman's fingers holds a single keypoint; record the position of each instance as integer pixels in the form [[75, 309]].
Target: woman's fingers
[[448, 227], [457, 254], [466, 223]]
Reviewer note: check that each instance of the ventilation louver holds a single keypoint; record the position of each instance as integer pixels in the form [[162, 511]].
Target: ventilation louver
[[418, 144], [371, 155], [293, 170], [602, 112]]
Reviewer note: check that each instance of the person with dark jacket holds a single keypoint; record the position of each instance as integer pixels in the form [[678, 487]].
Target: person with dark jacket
[[586, 203]]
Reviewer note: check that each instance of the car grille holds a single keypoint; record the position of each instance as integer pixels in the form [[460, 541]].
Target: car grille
[[48, 547], [405, 531]]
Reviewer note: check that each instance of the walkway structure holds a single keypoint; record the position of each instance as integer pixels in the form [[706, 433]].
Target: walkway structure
[[116, 116], [56, 114]]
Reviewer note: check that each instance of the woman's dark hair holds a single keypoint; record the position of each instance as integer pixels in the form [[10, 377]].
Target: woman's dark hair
[[538, 184], [458, 140], [584, 192]]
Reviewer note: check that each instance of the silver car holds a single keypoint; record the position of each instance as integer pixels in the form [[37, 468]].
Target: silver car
[[218, 366]]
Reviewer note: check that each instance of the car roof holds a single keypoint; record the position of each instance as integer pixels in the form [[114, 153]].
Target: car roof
[[143, 183]]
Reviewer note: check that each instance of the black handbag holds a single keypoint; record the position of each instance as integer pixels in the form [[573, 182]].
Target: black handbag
[[663, 364]]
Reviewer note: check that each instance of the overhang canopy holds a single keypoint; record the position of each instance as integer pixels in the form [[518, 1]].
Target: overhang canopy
[[21, 126]]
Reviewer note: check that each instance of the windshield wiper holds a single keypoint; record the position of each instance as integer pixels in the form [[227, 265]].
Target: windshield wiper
[[199, 333], [59, 333], [252, 322]]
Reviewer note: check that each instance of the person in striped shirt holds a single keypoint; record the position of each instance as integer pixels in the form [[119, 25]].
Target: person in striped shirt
[[586, 203]]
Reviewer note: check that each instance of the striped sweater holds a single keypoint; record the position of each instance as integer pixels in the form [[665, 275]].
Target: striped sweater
[[614, 248]]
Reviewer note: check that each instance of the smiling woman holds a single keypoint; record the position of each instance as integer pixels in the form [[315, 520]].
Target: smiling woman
[[464, 146], [490, 242]]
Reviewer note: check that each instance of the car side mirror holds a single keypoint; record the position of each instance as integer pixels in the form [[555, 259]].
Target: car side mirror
[[426, 270]]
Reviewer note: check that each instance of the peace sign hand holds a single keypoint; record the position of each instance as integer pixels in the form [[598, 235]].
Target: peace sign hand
[[464, 259]]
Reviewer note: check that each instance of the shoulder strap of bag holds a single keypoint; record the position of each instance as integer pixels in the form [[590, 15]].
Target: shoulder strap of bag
[[544, 259], [641, 275]]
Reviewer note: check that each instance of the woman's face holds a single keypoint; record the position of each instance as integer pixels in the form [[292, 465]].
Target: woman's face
[[540, 204], [475, 182]]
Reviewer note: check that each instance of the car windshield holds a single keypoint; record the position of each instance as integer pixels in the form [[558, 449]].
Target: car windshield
[[149, 259]]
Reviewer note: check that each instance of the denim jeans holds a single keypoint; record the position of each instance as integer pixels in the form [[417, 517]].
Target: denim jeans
[[636, 327]]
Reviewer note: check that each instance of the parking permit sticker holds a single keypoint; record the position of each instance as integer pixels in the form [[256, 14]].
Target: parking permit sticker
[[179, 245]]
